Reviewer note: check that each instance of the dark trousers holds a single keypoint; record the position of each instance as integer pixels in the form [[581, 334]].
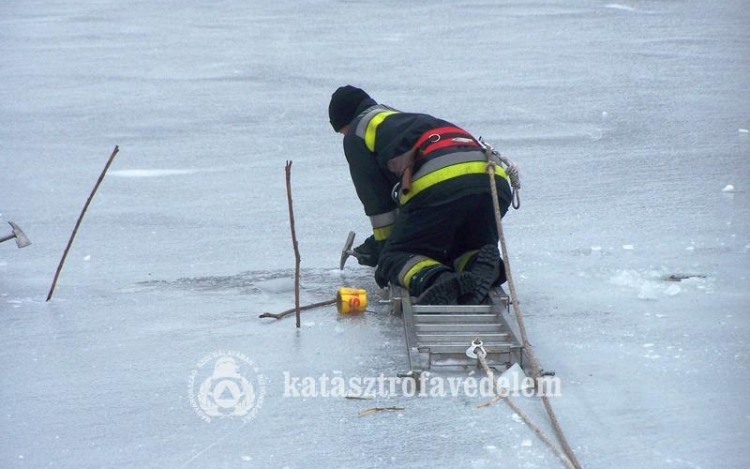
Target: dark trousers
[[442, 232]]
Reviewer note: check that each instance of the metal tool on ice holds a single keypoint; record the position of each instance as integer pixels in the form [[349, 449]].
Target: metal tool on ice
[[21, 240], [348, 251]]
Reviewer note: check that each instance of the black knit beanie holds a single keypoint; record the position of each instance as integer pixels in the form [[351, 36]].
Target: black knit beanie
[[343, 107]]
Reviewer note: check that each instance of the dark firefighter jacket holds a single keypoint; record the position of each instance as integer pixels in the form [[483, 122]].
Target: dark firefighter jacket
[[400, 160]]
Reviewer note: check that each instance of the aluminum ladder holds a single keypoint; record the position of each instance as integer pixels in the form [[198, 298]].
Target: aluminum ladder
[[437, 337]]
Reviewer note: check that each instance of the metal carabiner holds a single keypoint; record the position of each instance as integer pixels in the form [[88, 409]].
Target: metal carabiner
[[477, 344]]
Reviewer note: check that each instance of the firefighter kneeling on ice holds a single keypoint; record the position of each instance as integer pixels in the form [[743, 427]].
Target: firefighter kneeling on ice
[[423, 183]]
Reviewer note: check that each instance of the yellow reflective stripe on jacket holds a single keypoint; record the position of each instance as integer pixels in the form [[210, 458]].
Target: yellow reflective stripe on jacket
[[446, 173], [365, 117], [372, 128], [414, 265], [368, 123]]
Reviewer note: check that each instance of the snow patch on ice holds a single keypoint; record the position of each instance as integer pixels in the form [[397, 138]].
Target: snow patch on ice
[[728, 188], [627, 278], [277, 285], [617, 6], [145, 173]]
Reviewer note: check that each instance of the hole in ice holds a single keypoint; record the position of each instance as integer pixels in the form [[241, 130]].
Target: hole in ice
[[681, 277]]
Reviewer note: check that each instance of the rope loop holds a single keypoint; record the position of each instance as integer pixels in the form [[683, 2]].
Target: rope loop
[[511, 170]]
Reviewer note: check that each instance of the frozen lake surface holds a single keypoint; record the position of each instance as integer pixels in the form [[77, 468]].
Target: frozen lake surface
[[629, 122]]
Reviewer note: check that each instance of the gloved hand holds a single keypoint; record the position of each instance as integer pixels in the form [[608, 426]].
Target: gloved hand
[[368, 253]]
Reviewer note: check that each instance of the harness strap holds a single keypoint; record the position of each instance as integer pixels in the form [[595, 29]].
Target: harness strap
[[429, 142], [443, 137]]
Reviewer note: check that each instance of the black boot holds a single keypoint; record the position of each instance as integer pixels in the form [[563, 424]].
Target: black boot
[[447, 288], [488, 270], [439, 285]]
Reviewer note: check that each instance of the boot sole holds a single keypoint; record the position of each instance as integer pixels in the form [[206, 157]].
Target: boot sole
[[448, 291], [486, 271]]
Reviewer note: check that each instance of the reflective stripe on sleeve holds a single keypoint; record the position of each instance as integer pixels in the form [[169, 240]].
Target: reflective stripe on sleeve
[[383, 233], [372, 128], [368, 125], [384, 219], [382, 224]]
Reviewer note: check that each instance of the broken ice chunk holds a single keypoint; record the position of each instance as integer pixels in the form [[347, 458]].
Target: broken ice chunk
[[649, 291]]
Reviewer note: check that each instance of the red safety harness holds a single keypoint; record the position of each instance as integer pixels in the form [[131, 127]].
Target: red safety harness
[[432, 141], [443, 137]]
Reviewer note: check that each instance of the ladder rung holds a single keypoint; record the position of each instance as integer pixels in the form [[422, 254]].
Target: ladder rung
[[460, 337], [460, 327], [461, 348], [455, 318], [449, 309]]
